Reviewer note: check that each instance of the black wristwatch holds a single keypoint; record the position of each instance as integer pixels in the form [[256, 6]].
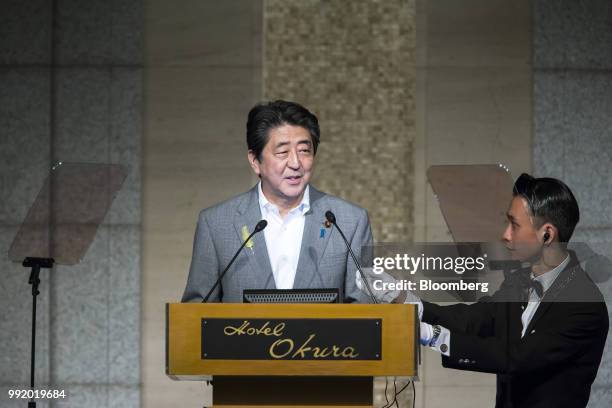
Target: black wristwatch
[[436, 333]]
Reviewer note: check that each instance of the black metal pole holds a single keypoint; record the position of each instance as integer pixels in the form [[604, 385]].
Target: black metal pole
[[32, 403], [34, 280]]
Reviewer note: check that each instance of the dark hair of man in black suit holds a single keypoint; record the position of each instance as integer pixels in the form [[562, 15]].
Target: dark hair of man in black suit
[[266, 116], [541, 217], [549, 200]]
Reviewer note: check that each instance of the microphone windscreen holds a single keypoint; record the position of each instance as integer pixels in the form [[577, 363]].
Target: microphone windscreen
[[330, 217], [261, 225]]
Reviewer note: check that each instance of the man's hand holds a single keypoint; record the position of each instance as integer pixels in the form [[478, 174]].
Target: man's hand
[[383, 296], [426, 334], [387, 296]]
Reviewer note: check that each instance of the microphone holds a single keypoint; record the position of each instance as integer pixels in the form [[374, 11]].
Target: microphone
[[332, 219], [259, 227]]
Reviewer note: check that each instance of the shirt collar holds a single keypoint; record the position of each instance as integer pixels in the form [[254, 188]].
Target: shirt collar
[[547, 278], [265, 205]]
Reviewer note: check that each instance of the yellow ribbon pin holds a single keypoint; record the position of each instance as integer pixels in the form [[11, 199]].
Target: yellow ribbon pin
[[245, 236]]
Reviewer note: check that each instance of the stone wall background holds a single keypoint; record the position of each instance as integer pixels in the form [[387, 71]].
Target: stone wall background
[[71, 90], [572, 134], [164, 89]]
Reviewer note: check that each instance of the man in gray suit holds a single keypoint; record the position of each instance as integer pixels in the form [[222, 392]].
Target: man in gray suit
[[297, 249]]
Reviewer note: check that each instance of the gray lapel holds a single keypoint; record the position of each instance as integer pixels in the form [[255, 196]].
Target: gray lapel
[[249, 215], [313, 245]]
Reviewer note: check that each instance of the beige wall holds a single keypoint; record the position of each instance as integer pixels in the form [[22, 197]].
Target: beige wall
[[474, 103], [203, 74]]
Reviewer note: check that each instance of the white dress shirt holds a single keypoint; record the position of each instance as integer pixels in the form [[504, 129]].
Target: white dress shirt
[[546, 279], [284, 237]]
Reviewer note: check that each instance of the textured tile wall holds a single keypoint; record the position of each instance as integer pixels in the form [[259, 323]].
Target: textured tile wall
[[71, 90], [572, 126], [357, 75]]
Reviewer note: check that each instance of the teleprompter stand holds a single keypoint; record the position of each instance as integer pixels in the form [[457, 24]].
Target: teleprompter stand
[[62, 223], [36, 264]]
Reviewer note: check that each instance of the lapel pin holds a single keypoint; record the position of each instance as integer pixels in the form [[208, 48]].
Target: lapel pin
[[326, 224], [245, 236]]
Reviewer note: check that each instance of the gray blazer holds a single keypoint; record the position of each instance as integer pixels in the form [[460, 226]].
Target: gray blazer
[[324, 261]]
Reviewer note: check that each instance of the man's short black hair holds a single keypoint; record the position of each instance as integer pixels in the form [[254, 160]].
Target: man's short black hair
[[266, 116], [549, 200]]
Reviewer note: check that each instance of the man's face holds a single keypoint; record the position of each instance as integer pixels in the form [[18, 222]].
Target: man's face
[[286, 164], [521, 236]]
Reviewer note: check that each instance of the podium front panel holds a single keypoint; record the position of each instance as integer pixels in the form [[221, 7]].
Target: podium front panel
[[257, 340]]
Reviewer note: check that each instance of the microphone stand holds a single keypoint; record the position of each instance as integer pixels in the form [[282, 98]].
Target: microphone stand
[[259, 227], [332, 218]]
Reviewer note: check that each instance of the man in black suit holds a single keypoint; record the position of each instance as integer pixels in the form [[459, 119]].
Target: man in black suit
[[543, 332]]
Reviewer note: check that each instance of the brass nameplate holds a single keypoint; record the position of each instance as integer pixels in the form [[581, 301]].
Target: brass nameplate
[[291, 339]]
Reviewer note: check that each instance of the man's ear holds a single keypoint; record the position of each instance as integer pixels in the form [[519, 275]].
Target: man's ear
[[550, 231], [254, 162]]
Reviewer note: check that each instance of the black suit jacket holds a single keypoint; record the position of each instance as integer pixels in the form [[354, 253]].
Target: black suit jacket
[[556, 361]]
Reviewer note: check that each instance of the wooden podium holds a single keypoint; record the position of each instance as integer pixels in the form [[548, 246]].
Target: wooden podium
[[291, 355]]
